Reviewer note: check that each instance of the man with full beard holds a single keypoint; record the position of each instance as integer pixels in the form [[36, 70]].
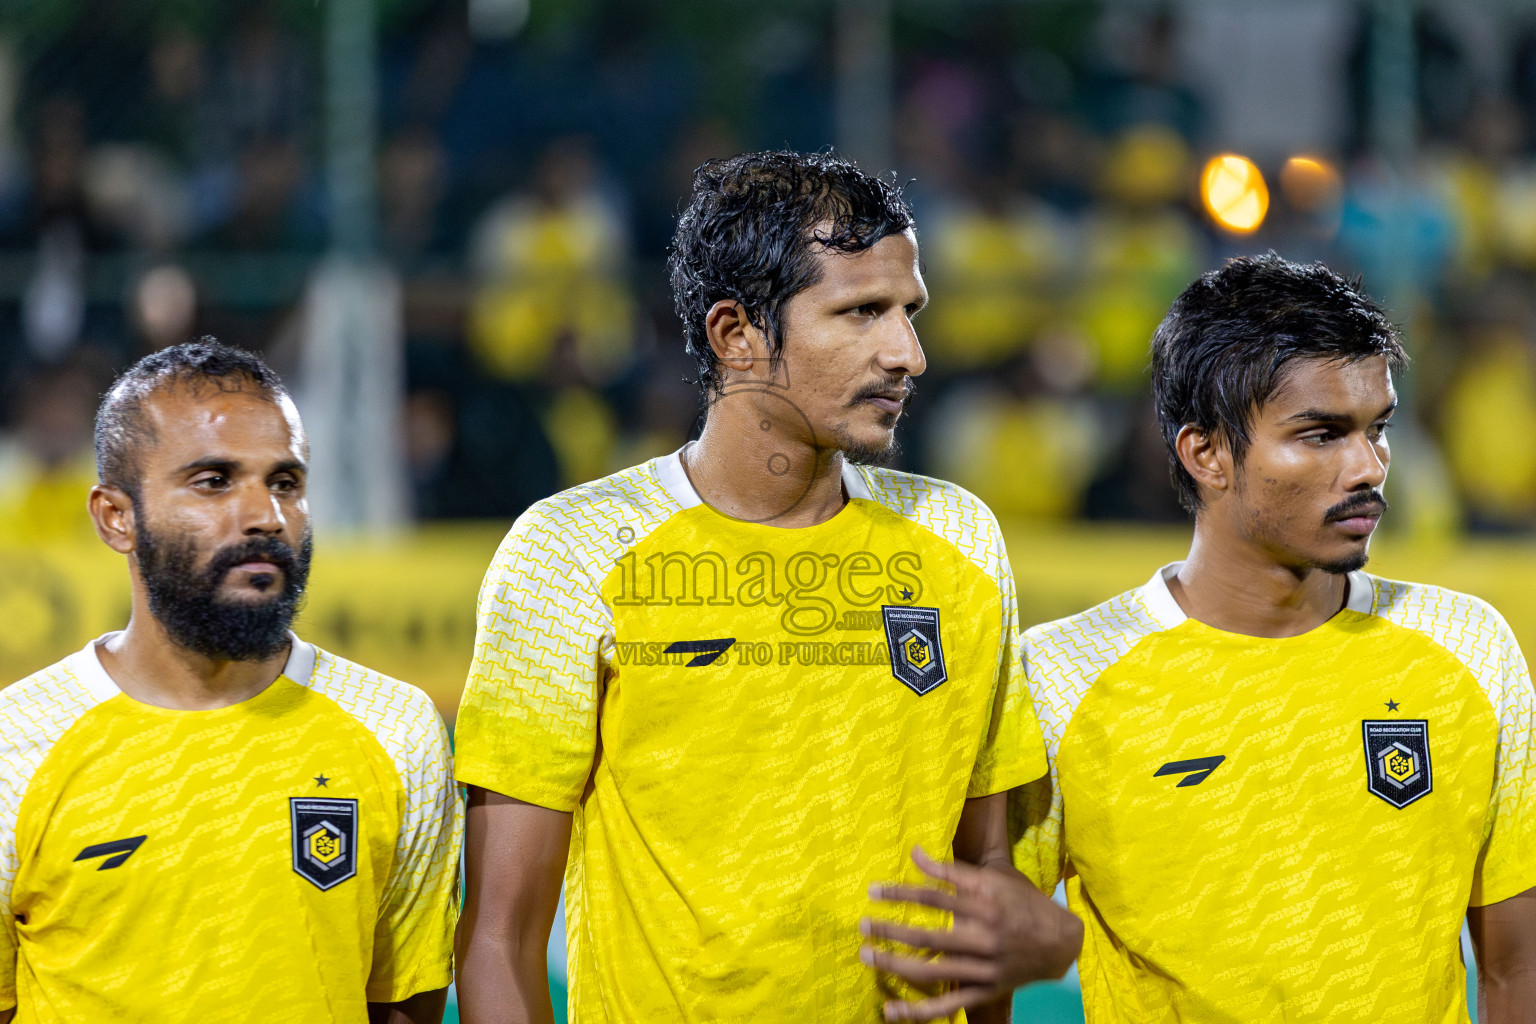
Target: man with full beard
[[203, 817]]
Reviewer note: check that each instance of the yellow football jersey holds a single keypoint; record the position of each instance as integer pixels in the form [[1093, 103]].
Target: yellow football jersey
[[1286, 829], [288, 858], [751, 724]]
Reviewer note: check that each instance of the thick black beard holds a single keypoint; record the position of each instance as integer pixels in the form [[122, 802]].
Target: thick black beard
[[185, 600]]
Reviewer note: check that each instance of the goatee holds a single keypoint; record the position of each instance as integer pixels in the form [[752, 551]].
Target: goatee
[[862, 454]]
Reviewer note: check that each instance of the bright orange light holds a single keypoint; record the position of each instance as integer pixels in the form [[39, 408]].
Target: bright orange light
[[1234, 192], [1310, 184]]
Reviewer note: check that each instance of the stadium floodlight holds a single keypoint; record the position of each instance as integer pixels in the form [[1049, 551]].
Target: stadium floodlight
[[1311, 183], [1234, 193]]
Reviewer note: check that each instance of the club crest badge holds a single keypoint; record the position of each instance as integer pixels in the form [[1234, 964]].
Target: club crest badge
[[324, 839], [917, 651], [1397, 760]]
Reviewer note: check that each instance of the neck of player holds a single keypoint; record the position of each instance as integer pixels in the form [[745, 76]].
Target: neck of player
[[149, 666], [1233, 584], [771, 476]]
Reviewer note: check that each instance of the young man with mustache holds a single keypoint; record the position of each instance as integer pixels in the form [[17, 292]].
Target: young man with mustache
[[1279, 784], [727, 692], [203, 817]]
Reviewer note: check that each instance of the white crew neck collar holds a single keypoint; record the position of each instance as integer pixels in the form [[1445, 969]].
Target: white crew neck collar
[[674, 480], [1166, 611], [93, 675]]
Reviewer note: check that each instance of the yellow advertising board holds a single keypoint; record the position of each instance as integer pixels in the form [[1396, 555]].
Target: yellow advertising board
[[406, 606]]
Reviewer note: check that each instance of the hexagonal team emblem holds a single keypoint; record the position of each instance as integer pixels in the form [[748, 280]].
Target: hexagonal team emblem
[[324, 839], [917, 651], [1397, 760], [323, 843]]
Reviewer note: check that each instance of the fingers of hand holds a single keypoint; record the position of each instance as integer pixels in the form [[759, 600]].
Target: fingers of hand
[[932, 868], [922, 972], [914, 894], [963, 938], [923, 938], [941, 1006], [964, 877], [958, 873]]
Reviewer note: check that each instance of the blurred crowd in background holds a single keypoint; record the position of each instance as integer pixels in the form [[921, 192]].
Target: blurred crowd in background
[[161, 178]]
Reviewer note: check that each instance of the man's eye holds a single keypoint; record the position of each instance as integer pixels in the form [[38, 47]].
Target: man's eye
[[1379, 430], [213, 480], [867, 310]]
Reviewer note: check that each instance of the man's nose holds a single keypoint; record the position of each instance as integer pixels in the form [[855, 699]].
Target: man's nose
[[260, 512], [900, 351], [1367, 466]]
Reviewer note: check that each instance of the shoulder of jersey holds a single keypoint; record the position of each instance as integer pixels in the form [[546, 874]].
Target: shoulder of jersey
[[34, 714], [1468, 627], [1064, 658], [947, 509], [37, 710], [400, 716], [599, 520]]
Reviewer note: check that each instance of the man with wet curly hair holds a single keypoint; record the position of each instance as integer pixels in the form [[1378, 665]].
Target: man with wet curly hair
[[730, 692]]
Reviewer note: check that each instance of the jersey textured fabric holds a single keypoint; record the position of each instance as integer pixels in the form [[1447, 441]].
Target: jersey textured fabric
[[734, 798], [154, 864], [1287, 829]]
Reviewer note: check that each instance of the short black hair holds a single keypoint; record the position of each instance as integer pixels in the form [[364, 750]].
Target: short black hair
[[1226, 344], [122, 426], [748, 234]]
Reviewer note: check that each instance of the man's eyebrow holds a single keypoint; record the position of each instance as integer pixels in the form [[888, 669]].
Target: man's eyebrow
[[225, 462], [209, 462], [862, 295], [1324, 416], [858, 293]]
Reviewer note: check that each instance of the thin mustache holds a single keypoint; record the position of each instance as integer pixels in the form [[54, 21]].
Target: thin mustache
[[1372, 502], [905, 386]]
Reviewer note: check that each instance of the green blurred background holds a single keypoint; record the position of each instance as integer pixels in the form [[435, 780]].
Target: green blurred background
[[445, 223]]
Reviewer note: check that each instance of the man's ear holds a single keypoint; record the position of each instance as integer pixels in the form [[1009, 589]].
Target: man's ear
[[1206, 457], [112, 514], [737, 342]]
